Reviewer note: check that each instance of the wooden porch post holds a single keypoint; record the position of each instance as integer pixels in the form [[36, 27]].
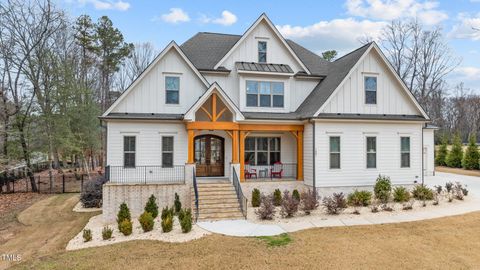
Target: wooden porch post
[[300, 155], [235, 146], [242, 155], [191, 135]]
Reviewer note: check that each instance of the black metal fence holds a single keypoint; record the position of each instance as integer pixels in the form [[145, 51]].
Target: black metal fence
[[277, 171], [146, 174], [61, 183]]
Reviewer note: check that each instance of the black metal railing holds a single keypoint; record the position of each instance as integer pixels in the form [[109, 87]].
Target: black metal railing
[[242, 200], [277, 171], [146, 174], [195, 189]]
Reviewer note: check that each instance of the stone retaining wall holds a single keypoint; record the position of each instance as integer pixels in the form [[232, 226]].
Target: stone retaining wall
[[136, 196]]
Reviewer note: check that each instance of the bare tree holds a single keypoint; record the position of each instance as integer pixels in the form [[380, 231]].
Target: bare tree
[[142, 55]]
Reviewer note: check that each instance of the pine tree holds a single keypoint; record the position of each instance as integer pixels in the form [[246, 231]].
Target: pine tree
[[455, 156], [441, 156], [152, 206], [472, 156]]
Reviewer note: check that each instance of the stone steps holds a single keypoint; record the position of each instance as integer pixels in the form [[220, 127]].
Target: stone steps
[[217, 201]]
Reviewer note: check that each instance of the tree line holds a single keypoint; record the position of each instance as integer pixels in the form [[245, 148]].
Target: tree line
[[57, 75]]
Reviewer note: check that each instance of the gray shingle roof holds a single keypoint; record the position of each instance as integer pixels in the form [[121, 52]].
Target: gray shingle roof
[[370, 116], [144, 116], [337, 70], [263, 67]]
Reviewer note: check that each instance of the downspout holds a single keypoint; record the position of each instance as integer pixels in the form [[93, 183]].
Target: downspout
[[421, 149], [313, 156]]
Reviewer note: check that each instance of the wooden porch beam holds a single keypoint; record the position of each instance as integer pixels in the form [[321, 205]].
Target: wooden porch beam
[[235, 146], [220, 113], [207, 113], [202, 125], [242, 155], [263, 127], [214, 107], [191, 136]]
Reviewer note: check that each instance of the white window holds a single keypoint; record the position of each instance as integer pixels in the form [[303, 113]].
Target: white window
[[370, 90], [172, 90], [167, 151], [334, 152], [405, 152], [129, 147], [262, 51], [265, 94], [371, 152], [262, 150]]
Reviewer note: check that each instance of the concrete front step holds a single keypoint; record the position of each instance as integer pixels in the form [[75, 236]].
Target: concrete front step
[[211, 189], [232, 210], [220, 216]]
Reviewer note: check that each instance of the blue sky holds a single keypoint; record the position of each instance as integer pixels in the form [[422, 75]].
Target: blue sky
[[317, 25]]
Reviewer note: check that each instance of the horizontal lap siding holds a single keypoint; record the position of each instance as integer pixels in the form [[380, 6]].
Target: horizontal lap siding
[[353, 170]]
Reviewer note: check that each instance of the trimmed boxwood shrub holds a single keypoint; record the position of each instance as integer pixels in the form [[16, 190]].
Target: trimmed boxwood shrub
[[422, 193], [401, 194], [146, 221], [123, 214], [167, 223], [185, 220], [87, 235], [152, 206], [359, 198], [255, 197], [296, 195], [383, 188], [126, 227], [167, 211], [277, 197]]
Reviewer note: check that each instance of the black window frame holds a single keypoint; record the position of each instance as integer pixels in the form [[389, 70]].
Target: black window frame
[[262, 52], [269, 151], [370, 91], [129, 152], [168, 152], [168, 91]]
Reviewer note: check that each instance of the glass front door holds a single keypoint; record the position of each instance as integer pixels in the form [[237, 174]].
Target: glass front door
[[209, 155]]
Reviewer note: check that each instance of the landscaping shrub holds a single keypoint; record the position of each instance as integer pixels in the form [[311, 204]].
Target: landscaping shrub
[[87, 235], [383, 188], [472, 156], [449, 187], [422, 193], [335, 203], [123, 214], [255, 197], [177, 203], [455, 156], [277, 197], [91, 195], [459, 191], [152, 206], [438, 189], [408, 205], [186, 221], [441, 155], [401, 194], [289, 205], [309, 201], [359, 198], [374, 206], [296, 195], [167, 223], [126, 227], [107, 233], [167, 211], [266, 211], [146, 221], [387, 207]]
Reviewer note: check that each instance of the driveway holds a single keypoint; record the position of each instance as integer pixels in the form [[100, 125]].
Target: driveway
[[440, 178]]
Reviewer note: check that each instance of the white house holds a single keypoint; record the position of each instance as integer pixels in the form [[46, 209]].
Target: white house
[[257, 110]]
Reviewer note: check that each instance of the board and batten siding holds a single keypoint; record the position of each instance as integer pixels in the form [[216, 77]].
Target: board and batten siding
[[353, 171], [428, 152], [148, 96], [308, 151], [391, 98]]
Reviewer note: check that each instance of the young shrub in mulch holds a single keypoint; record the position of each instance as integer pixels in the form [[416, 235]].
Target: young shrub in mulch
[[408, 205], [382, 188], [359, 198], [472, 156], [455, 156], [387, 207], [107, 233], [152, 206], [441, 155], [296, 195], [91, 196], [146, 221], [126, 227], [177, 203], [87, 235], [335, 204], [449, 190], [277, 197], [374, 207], [309, 201], [255, 197], [401, 194], [289, 205], [422, 193], [459, 191], [185, 217], [266, 211], [167, 223], [123, 214], [167, 211]]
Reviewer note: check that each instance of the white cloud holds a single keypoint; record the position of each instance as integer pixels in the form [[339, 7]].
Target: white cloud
[[468, 73], [107, 4], [468, 27], [426, 11], [176, 15], [338, 34], [227, 18]]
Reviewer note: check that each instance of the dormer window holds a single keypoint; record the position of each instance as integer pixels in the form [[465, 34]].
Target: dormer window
[[262, 51]]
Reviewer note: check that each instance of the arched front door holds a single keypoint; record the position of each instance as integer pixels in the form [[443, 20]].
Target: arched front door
[[209, 155]]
